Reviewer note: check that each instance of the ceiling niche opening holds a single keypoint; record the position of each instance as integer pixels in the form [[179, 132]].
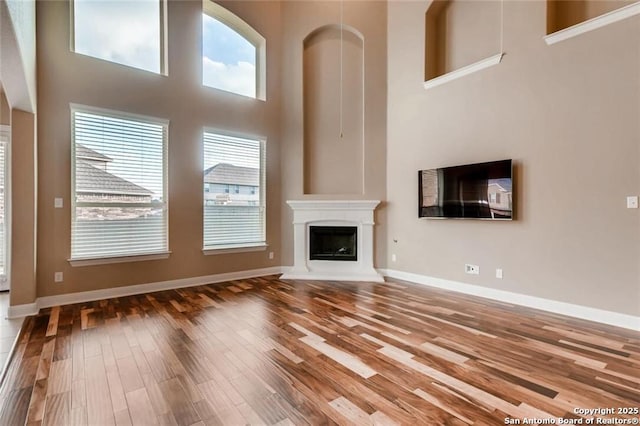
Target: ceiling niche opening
[[461, 37], [571, 18]]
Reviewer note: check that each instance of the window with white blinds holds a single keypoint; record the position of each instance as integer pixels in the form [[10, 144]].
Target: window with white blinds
[[234, 206], [119, 185], [4, 142]]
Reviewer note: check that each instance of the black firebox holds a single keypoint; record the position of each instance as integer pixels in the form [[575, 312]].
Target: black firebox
[[333, 243]]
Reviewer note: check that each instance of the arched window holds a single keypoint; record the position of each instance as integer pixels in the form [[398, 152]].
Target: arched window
[[233, 53]]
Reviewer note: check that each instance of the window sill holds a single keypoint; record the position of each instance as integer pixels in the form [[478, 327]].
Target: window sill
[[119, 259], [461, 72], [235, 249]]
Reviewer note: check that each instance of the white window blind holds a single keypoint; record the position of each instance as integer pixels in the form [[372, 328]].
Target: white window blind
[[4, 140], [119, 185], [234, 207]]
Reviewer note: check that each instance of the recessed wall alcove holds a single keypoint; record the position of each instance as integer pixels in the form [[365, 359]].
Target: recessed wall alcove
[[562, 14], [460, 36], [333, 78], [570, 18]]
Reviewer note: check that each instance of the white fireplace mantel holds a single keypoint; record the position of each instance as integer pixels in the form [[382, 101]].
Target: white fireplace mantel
[[357, 213]]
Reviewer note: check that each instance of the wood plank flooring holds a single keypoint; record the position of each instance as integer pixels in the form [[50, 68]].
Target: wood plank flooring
[[265, 351]]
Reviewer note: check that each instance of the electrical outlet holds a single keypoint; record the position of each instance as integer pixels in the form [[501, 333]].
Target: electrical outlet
[[271, 255], [58, 277], [58, 203], [499, 273], [632, 202], [472, 269], [393, 257]]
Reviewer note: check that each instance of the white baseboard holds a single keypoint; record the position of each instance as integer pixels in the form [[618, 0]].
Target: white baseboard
[[563, 308], [373, 276], [19, 311], [88, 296]]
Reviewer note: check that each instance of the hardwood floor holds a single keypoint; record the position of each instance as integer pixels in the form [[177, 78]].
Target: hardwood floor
[[265, 351]]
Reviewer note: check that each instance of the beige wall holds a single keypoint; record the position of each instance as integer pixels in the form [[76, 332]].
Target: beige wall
[[470, 32], [299, 19], [568, 115], [17, 108], [24, 194], [65, 78]]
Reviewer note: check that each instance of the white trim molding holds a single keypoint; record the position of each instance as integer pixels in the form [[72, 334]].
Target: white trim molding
[[109, 293], [563, 308], [594, 23], [19, 311], [356, 213], [119, 259], [461, 72], [234, 249]]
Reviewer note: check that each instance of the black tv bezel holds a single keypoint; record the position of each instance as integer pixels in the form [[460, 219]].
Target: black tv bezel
[[505, 219]]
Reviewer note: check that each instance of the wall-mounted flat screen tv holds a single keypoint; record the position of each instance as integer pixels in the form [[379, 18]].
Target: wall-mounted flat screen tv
[[471, 191]]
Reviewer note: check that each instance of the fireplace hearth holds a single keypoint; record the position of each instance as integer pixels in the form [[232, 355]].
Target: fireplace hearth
[[342, 246], [333, 243]]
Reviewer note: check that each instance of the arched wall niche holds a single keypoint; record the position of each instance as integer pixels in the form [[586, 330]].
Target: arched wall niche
[[333, 91]]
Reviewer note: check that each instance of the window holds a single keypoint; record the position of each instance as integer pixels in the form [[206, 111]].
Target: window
[[233, 53], [119, 185], [232, 219], [125, 32]]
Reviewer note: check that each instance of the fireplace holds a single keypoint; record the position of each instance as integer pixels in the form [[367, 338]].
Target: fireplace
[[333, 240], [333, 243]]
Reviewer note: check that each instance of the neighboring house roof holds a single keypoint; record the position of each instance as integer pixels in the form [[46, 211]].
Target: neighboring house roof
[[94, 180], [88, 154], [498, 186], [233, 175]]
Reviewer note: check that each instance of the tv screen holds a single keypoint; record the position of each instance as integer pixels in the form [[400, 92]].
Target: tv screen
[[472, 191]]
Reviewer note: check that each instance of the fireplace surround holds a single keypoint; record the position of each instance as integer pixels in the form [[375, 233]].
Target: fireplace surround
[[340, 215]]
